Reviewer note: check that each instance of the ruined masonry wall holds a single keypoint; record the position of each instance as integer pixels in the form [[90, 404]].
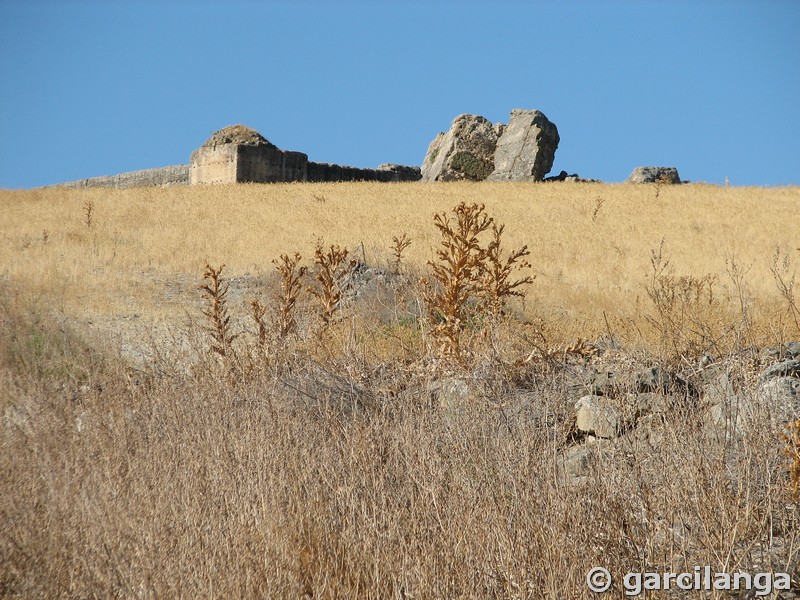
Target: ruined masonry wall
[[217, 165], [160, 177]]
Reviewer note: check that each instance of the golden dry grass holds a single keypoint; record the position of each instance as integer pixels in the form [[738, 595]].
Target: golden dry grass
[[331, 464], [590, 244]]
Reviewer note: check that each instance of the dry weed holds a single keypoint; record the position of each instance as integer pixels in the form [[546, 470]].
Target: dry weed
[[456, 275], [496, 286], [291, 276], [215, 292], [332, 269], [399, 244], [792, 440]]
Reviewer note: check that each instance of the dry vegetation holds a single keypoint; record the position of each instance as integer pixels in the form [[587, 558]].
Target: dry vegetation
[[384, 414]]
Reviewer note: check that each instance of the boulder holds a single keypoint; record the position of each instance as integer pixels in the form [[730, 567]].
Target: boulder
[[780, 397], [597, 416], [654, 175], [786, 368], [526, 150], [466, 151]]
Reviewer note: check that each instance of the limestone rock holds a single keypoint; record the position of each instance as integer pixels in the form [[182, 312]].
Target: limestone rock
[[466, 151], [576, 462], [780, 396], [785, 351], [570, 178], [786, 368], [729, 416], [654, 175], [526, 150], [451, 393], [598, 416]]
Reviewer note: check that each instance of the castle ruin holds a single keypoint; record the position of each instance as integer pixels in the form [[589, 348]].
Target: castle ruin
[[239, 154]]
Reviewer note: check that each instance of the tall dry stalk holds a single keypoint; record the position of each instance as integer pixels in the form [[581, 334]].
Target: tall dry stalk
[[496, 285], [792, 440], [683, 307], [88, 213], [215, 292], [257, 312], [399, 245], [291, 274], [784, 280], [332, 268], [456, 274]]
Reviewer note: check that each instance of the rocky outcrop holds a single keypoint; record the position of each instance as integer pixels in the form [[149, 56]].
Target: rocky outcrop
[[527, 148], [572, 178], [474, 149], [654, 175], [465, 151]]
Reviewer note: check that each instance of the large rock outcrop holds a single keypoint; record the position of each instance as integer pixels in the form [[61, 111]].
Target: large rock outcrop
[[466, 151], [527, 148], [475, 149]]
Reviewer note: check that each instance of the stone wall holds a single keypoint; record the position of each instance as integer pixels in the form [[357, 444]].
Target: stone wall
[[213, 165], [258, 164], [160, 177], [321, 172]]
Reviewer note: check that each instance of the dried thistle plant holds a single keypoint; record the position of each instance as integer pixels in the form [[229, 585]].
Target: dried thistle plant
[[456, 274], [291, 274], [496, 285], [331, 269], [598, 204], [257, 311], [215, 291], [792, 440], [88, 212], [399, 245], [784, 280]]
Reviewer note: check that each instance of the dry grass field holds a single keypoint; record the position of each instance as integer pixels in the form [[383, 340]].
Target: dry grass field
[[590, 244], [405, 444]]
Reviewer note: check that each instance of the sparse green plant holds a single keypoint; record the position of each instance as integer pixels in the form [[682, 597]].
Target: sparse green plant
[[215, 292], [88, 212], [399, 245], [332, 268], [291, 276]]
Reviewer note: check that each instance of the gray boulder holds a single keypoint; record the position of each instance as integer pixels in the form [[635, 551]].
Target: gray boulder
[[466, 151], [526, 150], [786, 368], [780, 397], [599, 416], [654, 175]]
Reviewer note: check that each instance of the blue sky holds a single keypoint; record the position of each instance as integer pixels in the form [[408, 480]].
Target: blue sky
[[98, 88]]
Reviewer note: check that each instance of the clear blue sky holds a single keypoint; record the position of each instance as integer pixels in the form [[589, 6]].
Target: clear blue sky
[[98, 88]]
